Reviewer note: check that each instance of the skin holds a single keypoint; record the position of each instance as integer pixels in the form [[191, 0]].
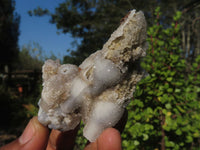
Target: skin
[[38, 137]]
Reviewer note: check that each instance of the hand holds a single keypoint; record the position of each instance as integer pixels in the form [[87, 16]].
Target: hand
[[37, 137]]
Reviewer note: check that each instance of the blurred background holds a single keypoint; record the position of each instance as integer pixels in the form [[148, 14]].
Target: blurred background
[[165, 111]]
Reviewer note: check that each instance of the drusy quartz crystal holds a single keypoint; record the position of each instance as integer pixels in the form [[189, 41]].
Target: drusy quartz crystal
[[98, 90]]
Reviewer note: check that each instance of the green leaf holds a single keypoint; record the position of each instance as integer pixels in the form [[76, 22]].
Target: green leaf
[[177, 90], [136, 143], [138, 103], [189, 139], [149, 110], [161, 43], [151, 92], [169, 79], [178, 132], [168, 106], [169, 143], [170, 90], [196, 134], [145, 137], [177, 16], [137, 117], [195, 65]]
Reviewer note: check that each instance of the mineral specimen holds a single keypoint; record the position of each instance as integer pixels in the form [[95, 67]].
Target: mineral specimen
[[100, 88]]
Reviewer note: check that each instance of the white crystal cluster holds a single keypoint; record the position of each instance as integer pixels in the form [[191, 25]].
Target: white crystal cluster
[[100, 88]]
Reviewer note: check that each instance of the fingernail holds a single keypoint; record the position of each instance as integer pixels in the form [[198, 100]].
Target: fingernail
[[28, 133]]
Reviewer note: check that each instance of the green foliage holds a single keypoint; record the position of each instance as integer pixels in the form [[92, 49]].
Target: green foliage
[[38, 11], [91, 21], [32, 55], [165, 112], [11, 110], [80, 142]]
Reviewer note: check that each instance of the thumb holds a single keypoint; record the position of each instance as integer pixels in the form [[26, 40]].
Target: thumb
[[35, 136]]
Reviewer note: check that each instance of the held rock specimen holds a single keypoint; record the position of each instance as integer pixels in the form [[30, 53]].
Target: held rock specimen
[[100, 88]]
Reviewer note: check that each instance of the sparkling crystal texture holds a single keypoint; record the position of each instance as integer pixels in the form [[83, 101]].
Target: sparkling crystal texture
[[100, 88]]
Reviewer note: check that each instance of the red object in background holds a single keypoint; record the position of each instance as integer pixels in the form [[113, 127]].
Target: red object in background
[[20, 89]]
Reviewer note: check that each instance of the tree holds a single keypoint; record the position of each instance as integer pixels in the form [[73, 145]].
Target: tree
[[91, 22], [190, 30], [94, 21], [9, 32], [32, 55]]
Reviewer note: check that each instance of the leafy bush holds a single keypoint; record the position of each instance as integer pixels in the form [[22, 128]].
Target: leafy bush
[[165, 112], [12, 112], [80, 140]]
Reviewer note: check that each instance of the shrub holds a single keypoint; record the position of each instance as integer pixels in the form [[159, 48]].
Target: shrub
[[165, 112]]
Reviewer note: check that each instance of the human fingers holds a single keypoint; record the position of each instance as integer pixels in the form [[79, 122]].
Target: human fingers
[[110, 139], [62, 140], [35, 136]]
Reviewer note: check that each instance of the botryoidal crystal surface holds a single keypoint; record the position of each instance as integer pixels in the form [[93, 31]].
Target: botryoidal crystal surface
[[97, 91]]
